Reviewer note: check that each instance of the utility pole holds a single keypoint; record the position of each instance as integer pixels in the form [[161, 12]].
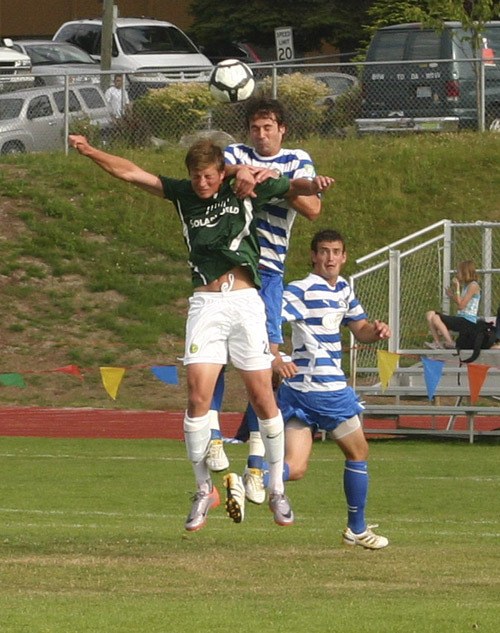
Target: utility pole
[[108, 27]]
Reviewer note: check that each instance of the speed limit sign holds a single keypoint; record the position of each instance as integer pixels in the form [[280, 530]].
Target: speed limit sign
[[284, 43]]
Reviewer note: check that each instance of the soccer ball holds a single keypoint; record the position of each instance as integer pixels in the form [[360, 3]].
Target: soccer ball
[[231, 81]]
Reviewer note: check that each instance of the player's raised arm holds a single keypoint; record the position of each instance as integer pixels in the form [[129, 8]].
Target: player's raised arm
[[117, 167]]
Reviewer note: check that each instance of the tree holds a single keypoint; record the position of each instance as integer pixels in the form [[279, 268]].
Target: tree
[[336, 22]]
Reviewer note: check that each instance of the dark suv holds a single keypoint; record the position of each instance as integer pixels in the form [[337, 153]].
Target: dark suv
[[419, 79]]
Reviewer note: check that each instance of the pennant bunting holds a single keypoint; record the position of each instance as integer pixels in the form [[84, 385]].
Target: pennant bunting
[[433, 371], [73, 370], [166, 373], [477, 376], [12, 380], [111, 379], [387, 362]]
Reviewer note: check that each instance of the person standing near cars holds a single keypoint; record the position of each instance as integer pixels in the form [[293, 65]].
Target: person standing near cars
[[117, 98]]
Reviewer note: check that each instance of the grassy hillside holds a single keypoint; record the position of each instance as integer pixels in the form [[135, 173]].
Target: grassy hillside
[[93, 272]]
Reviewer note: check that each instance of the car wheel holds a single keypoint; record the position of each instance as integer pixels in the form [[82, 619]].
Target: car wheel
[[13, 147]]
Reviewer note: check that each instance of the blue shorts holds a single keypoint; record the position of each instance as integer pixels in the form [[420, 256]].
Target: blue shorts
[[322, 411], [271, 292]]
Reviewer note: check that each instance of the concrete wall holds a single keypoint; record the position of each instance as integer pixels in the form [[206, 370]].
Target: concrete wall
[[26, 18]]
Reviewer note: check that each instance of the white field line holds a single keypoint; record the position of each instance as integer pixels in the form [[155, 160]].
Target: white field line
[[93, 457]]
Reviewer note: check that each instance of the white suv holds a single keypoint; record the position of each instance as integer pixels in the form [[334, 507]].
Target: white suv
[[15, 68], [151, 52]]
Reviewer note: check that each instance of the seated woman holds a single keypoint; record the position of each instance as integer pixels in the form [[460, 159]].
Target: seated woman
[[465, 292]]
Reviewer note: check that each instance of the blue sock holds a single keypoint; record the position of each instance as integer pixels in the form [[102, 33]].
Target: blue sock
[[255, 461], [356, 491], [218, 395], [215, 434], [286, 472], [265, 468]]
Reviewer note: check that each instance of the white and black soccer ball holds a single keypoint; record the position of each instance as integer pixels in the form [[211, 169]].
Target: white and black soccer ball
[[231, 81]]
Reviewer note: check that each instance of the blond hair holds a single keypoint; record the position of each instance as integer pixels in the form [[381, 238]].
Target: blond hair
[[466, 271], [204, 153]]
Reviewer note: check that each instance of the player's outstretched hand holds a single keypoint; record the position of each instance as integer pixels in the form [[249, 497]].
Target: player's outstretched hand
[[382, 330], [323, 182], [79, 142]]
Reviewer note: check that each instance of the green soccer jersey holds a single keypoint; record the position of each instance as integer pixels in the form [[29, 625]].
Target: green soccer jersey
[[220, 231]]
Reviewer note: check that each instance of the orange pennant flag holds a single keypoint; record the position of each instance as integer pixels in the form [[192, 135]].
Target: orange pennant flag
[[387, 362], [73, 370], [111, 379], [477, 376]]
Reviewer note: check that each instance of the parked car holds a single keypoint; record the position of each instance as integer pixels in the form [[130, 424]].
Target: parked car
[[218, 51], [154, 53], [34, 119], [337, 83], [52, 61], [438, 90], [15, 68]]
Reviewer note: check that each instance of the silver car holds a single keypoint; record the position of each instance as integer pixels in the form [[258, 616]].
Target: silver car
[[53, 61], [35, 119]]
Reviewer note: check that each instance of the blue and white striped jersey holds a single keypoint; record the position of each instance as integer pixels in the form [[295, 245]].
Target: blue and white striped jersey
[[275, 220], [316, 311]]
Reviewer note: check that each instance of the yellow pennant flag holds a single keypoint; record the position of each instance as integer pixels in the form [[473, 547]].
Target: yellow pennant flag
[[111, 379], [387, 363]]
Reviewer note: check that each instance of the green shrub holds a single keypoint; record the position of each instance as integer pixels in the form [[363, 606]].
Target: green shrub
[[171, 112]]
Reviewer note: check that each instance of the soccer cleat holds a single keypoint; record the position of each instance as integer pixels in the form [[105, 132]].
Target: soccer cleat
[[367, 539], [253, 480], [202, 502], [216, 457], [235, 497], [279, 505]]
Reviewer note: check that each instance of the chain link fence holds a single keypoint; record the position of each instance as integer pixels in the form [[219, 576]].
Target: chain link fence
[[409, 277], [322, 99]]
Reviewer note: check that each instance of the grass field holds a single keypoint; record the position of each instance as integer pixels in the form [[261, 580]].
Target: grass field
[[92, 540]]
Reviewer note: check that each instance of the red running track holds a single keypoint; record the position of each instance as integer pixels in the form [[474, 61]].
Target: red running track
[[118, 424]]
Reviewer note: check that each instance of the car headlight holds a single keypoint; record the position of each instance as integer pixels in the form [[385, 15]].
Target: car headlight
[[23, 63]]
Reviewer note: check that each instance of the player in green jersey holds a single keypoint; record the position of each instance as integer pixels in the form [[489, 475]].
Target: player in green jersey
[[226, 318]]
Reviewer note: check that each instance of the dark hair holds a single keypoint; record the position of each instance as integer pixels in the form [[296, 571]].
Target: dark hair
[[264, 106], [326, 235], [203, 154]]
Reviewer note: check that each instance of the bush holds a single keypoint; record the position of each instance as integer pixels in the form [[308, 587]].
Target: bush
[[176, 110]]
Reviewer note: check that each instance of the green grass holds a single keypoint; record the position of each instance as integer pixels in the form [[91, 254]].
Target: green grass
[[93, 270], [93, 540]]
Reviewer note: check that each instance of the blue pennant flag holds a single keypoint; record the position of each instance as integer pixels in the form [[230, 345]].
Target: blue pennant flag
[[433, 370], [166, 373]]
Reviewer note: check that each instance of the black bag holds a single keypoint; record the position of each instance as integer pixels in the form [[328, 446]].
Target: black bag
[[478, 336]]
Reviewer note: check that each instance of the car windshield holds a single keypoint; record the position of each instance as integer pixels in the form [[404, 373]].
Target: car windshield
[[57, 53], [10, 108], [337, 85], [152, 40]]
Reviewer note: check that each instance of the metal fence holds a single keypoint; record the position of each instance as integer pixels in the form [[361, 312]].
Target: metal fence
[[326, 99], [405, 279]]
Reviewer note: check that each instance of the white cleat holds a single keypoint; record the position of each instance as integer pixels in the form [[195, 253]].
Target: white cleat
[[235, 497], [253, 480], [367, 539], [216, 457]]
